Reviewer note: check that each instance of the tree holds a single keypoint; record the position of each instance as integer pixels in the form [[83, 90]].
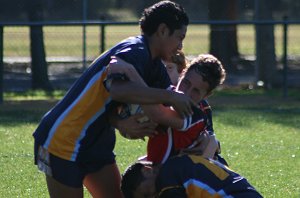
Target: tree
[[265, 45], [39, 66], [223, 38]]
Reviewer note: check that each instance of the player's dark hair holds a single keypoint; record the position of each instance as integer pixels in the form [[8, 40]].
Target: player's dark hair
[[167, 12], [210, 68], [131, 178]]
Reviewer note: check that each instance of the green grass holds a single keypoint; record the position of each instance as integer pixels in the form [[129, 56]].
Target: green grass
[[34, 95], [67, 40], [260, 140]]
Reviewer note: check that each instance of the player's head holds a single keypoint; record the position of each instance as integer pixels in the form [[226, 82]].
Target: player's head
[[165, 23], [171, 14], [202, 75], [175, 66], [138, 180]]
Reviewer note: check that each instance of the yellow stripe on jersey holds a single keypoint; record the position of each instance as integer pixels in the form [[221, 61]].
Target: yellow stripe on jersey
[[73, 125], [194, 191], [218, 171], [195, 188]]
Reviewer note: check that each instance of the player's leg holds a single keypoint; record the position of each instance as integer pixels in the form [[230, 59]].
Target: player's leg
[[105, 182], [57, 189], [63, 177]]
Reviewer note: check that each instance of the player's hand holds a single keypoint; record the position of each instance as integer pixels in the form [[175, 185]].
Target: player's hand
[[199, 145], [132, 128], [206, 145], [211, 148], [182, 104]]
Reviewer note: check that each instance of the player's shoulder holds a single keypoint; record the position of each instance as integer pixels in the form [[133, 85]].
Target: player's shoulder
[[177, 161], [135, 45]]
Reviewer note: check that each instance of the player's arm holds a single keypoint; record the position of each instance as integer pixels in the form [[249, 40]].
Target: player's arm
[[165, 116], [136, 91], [205, 145], [157, 113]]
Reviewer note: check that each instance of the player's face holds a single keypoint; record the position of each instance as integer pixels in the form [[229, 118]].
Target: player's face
[[192, 84], [146, 189], [172, 43], [172, 72]]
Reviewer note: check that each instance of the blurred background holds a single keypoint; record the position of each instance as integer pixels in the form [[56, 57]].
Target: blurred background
[[47, 44]]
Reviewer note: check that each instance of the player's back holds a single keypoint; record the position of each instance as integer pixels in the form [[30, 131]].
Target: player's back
[[200, 176], [79, 119]]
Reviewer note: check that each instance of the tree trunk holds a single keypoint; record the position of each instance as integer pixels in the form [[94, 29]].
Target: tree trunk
[[1, 64], [223, 38], [39, 66], [265, 46]]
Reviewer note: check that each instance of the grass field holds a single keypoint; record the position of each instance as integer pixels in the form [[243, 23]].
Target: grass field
[[259, 133], [67, 40]]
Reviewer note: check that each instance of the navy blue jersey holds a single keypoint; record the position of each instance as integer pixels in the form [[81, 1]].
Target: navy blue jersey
[[78, 127], [194, 177], [206, 108]]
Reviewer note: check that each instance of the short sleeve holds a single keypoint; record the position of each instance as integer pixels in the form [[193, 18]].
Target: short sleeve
[[117, 76], [136, 55]]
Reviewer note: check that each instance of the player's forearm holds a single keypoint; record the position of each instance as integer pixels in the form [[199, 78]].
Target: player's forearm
[[130, 92], [163, 115]]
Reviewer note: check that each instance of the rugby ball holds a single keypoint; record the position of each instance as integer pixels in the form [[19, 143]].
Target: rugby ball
[[127, 110]]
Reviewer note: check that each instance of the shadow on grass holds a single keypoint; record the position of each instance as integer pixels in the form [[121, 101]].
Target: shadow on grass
[[235, 109], [21, 112], [9, 118], [247, 117]]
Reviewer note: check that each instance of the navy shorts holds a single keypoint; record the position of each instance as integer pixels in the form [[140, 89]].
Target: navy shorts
[[68, 172]]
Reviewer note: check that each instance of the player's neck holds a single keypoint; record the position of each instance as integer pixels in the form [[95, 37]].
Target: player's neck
[[154, 46]]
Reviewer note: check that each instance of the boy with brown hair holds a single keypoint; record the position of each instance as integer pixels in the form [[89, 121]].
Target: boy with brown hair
[[201, 76], [198, 80]]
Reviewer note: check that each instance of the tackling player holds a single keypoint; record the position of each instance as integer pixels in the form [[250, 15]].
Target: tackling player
[[74, 141], [189, 176]]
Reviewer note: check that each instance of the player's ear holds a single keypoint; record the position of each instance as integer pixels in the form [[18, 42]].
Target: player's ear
[[163, 30]]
